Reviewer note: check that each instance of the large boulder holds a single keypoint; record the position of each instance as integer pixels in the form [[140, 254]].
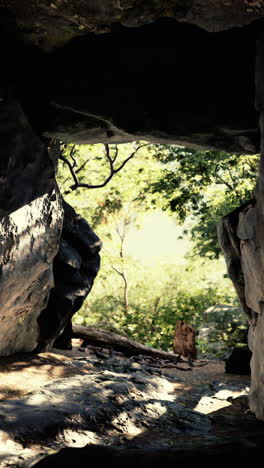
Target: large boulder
[[238, 361], [31, 217], [75, 267], [44, 277]]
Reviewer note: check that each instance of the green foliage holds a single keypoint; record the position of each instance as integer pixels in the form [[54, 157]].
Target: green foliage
[[156, 302], [223, 327], [206, 185]]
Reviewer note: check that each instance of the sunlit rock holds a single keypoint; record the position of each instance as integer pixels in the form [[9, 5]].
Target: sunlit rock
[[30, 228]]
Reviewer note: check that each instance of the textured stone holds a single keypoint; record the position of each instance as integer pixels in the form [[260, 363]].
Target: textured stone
[[75, 267], [30, 227], [181, 108], [241, 235], [103, 402], [50, 24]]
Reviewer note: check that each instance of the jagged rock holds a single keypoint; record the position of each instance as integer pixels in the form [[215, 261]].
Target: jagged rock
[[103, 402], [91, 107], [30, 227], [184, 340], [37, 297], [241, 236], [51, 24], [75, 267], [95, 111]]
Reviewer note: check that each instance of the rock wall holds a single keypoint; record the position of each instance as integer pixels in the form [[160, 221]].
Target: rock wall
[[241, 237], [51, 23]]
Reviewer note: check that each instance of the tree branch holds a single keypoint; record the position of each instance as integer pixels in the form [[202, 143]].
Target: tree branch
[[65, 160], [111, 161]]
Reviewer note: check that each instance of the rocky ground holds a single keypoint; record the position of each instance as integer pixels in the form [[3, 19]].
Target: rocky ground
[[74, 398]]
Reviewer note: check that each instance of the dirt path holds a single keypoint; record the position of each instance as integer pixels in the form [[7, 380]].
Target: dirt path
[[74, 398], [24, 373]]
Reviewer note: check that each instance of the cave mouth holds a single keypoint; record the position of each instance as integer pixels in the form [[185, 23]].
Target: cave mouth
[[157, 218], [77, 93]]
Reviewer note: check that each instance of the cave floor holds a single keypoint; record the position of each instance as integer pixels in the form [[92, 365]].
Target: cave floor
[[79, 397], [24, 373]]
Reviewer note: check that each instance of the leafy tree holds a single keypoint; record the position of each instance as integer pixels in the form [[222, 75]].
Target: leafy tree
[[205, 185]]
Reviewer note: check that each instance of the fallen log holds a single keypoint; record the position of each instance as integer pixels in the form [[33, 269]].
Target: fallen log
[[99, 337]]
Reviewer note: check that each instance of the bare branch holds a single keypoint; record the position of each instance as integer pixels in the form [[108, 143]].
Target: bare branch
[[71, 156], [65, 160], [111, 161], [119, 273], [130, 157], [116, 153], [82, 166]]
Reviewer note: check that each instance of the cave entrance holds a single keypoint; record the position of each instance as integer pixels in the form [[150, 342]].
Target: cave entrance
[[156, 209], [186, 87]]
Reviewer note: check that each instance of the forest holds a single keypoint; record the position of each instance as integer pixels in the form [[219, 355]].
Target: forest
[[156, 209]]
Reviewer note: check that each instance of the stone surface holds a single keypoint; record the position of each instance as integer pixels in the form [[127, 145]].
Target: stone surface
[[125, 404], [163, 107], [75, 267], [184, 340], [50, 24], [30, 227], [241, 237]]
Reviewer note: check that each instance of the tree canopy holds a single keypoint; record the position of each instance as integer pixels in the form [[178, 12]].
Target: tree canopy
[[205, 185], [202, 186]]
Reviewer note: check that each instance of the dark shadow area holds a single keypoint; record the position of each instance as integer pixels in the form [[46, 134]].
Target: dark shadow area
[[166, 82], [148, 457]]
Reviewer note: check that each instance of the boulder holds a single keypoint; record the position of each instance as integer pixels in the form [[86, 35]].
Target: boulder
[[44, 277], [75, 267], [31, 217]]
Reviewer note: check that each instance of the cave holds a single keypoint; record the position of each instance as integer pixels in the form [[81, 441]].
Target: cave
[[188, 73]]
